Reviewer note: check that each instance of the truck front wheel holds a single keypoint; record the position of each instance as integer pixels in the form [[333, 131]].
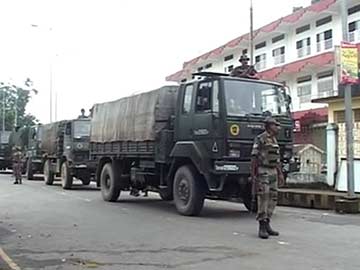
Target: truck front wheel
[[48, 173], [110, 186], [29, 170], [189, 191], [66, 177]]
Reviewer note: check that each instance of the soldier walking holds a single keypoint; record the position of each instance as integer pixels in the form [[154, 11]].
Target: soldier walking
[[266, 174], [17, 164]]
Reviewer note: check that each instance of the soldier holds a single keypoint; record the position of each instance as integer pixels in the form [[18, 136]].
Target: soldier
[[266, 173], [17, 164], [245, 70]]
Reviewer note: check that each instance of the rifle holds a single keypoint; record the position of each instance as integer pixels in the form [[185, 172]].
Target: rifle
[[254, 174]]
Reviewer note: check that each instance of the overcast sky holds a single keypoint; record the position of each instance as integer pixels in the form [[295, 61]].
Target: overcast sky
[[102, 50]]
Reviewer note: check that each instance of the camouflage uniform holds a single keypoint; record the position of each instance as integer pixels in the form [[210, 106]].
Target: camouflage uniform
[[267, 153], [17, 165]]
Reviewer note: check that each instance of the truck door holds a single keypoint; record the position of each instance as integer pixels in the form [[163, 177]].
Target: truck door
[[185, 113], [206, 118]]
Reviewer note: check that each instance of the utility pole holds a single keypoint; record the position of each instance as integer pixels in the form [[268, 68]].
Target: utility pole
[[348, 113], [251, 37]]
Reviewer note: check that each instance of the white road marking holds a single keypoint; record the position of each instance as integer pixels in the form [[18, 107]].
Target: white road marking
[[8, 260]]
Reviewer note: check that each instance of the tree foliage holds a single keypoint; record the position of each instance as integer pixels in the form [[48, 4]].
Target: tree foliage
[[14, 99]]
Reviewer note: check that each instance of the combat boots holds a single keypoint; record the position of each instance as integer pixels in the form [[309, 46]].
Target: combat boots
[[269, 230], [263, 234]]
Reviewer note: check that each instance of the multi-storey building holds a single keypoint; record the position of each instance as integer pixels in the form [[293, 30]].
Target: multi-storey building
[[298, 50]]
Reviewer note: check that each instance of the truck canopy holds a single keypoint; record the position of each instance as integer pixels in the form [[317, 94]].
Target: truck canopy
[[136, 118], [50, 137]]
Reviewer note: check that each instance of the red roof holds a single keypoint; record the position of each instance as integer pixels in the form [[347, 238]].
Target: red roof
[[321, 113], [292, 18]]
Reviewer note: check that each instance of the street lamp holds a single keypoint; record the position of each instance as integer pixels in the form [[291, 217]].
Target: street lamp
[[51, 76]]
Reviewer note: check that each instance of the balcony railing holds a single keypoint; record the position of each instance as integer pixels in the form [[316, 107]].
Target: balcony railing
[[354, 36], [304, 51], [260, 65], [279, 59], [324, 45]]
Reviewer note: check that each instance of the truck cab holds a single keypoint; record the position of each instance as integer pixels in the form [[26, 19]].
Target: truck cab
[[5, 151], [66, 152], [216, 122], [33, 152]]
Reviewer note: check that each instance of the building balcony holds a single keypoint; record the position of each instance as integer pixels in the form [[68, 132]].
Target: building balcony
[[324, 45], [354, 36], [279, 59], [334, 94], [260, 65], [304, 51]]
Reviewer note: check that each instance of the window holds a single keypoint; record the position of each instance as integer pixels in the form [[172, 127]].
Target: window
[[323, 21], [354, 31], [207, 97], [302, 29], [324, 40], [260, 45], [260, 61], [208, 65], [229, 57], [304, 89], [228, 69], [325, 84], [303, 47], [200, 69], [187, 98], [278, 38], [279, 55], [339, 116], [215, 97], [244, 51], [203, 97], [354, 9], [357, 115]]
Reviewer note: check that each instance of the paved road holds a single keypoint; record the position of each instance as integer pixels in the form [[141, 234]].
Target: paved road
[[45, 227]]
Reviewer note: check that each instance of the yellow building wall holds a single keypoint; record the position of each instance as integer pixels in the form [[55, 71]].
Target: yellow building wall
[[339, 106]]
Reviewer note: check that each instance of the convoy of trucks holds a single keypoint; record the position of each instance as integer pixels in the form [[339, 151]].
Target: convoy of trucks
[[187, 142]]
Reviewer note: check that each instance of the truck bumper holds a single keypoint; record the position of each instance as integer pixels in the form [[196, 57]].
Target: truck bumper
[[232, 167]]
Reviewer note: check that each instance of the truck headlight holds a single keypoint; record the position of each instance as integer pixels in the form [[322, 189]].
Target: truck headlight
[[79, 146], [234, 153]]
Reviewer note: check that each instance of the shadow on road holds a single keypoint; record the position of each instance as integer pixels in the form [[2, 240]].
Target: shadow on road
[[212, 209]]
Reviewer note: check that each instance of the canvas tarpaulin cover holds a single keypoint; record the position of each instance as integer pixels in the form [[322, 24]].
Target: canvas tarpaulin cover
[[136, 118]]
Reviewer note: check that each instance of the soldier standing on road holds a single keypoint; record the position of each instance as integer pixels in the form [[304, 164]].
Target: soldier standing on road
[[266, 173], [17, 164]]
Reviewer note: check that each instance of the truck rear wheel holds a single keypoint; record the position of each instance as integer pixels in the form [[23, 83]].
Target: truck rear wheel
[[110, 186], [66, 177], [189, 191], [29, 170], [48, 174]]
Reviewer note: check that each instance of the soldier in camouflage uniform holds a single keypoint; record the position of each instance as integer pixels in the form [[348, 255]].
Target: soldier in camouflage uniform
[[17, 164], [266, 172], [244, 70]]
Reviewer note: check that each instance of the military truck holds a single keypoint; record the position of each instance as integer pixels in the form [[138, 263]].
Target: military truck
[[189, 142], [65, 150], [34, 154], [5, 151]]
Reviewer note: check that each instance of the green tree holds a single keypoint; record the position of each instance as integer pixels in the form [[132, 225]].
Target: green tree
[[15, 98]]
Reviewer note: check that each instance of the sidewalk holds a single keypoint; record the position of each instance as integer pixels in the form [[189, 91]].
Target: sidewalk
[[309, 198]]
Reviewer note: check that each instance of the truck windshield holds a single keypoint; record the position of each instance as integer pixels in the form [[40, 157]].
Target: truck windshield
[[248, 97], [81, 129]]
